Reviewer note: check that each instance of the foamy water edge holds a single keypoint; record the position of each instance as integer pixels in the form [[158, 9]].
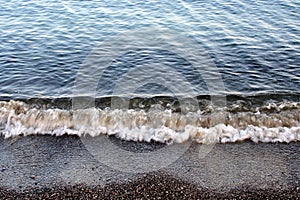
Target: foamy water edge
[[282, 125]]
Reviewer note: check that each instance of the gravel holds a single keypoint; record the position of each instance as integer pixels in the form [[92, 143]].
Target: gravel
[[150, 186]]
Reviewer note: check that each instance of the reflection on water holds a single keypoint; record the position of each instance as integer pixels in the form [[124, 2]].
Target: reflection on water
[[255, 44]]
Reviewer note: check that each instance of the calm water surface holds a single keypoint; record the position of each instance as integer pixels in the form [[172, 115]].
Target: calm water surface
[[254, 44]]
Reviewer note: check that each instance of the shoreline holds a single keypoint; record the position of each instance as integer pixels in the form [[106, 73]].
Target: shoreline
[[61, 167]]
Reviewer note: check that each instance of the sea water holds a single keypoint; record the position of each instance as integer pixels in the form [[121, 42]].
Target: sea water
[[253, 45]]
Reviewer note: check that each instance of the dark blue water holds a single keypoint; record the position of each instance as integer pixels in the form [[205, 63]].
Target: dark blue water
[[255, 45]]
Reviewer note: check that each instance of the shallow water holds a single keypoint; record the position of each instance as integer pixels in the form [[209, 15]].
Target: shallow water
[[274, 122], [254, 44]]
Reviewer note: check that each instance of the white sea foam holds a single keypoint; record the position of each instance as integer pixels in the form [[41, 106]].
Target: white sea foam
[[17, 118]]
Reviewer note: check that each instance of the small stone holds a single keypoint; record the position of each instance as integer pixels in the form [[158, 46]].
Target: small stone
[[32, 177]]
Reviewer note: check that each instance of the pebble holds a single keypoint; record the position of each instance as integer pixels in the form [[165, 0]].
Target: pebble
[[150, 187]]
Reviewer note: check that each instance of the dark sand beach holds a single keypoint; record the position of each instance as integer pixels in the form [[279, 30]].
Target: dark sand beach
[[47, 167]]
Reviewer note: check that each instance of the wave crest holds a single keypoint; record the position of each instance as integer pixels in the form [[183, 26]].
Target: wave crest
[[279, 124]]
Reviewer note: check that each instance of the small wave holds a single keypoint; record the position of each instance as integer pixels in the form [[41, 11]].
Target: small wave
[[280, 124]]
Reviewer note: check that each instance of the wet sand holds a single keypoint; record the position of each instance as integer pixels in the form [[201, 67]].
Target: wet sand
[[46, 167]]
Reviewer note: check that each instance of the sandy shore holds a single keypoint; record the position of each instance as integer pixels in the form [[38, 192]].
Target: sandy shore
[[45, 167]]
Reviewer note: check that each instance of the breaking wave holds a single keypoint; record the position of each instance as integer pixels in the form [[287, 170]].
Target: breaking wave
[[268, 122]]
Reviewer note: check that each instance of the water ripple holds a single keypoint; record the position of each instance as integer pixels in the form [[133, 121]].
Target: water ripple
[[255, 44]]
